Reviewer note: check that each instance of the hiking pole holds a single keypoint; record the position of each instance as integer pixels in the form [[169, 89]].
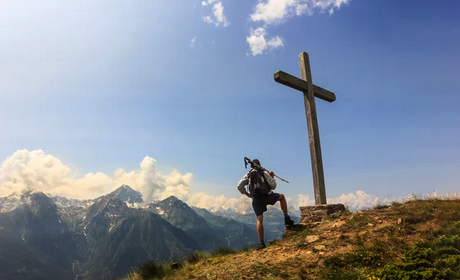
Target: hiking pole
[[247, 160], [286, 181]]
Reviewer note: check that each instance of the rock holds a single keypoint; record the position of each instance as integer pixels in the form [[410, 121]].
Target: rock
[[312, 214], [312, 238], [320, 247]]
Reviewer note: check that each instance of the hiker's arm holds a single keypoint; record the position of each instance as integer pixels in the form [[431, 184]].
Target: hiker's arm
[[242, 185]]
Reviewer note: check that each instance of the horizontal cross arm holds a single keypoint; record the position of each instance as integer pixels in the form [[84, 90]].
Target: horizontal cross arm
[[299, 84]]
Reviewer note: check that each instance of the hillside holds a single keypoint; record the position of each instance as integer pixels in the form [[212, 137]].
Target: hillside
[[418, 239]]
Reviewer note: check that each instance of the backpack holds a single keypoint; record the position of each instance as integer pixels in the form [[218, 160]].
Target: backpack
[[259, 183]]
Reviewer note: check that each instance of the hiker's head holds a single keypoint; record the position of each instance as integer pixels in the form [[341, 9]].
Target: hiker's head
[[255, 162]]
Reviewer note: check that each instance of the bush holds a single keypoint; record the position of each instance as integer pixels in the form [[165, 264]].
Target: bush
[[151, 270], [197, 256], [438, 259]]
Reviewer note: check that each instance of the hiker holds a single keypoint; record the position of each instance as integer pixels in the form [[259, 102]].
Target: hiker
[[261, 184]]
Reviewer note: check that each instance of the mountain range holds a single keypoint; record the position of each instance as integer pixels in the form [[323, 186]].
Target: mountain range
[[52, 237]]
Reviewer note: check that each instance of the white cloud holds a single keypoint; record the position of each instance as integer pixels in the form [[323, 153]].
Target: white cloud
[[329, 5], [358, 200], [209, 2], [218, 11], [354, 201], [302, 9], [202, 200], [304, 200], [272, 12], [217, 17], [192, 43], [36, 170], [277, 11], [259, 44]]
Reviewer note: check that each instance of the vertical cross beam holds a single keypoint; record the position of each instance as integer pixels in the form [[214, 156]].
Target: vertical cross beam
[[313, 132], [310, 91]]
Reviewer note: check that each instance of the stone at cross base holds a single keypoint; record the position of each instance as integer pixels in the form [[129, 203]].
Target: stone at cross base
[[312, 214], [315, 214]]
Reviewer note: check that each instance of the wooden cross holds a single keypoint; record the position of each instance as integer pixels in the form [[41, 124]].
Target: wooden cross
[[309, 92]]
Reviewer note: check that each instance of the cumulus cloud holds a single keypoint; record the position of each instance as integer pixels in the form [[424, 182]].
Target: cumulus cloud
[[277, 11], [329, 5], [217, 16], [259, 44], [358, 200], [270, 12], [36, 170], [202, 200], [304, 200], [354, 201], [209, 2], [273, 12], [24, 169]]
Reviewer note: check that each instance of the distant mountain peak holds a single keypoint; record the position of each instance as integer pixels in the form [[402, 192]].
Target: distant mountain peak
[[172, 200], [127, 194], [36, 201]]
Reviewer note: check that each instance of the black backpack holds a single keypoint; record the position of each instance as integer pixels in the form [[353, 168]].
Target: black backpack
[[258, 184]]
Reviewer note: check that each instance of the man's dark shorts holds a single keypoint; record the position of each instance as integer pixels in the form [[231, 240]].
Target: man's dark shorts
[[260, 204]]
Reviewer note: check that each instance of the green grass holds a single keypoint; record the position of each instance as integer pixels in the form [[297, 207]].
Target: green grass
[[437, 259]]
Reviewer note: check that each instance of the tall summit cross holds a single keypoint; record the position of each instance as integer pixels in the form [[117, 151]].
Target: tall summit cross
[[310, 91]]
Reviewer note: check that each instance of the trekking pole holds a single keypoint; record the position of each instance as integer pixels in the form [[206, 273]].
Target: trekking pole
[[247, 160], [286, 181]]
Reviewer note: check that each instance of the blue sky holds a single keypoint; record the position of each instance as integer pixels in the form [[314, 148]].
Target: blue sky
[[176, 93]]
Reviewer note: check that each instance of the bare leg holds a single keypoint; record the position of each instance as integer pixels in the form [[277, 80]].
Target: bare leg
[[287, 220], [283, 203], [260, 227]]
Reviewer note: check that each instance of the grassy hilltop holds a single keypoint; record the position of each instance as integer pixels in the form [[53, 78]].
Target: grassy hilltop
[[418, 239]]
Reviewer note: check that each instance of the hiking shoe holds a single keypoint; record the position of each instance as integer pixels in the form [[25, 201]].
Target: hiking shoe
[[261, 246], [288, 221]]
